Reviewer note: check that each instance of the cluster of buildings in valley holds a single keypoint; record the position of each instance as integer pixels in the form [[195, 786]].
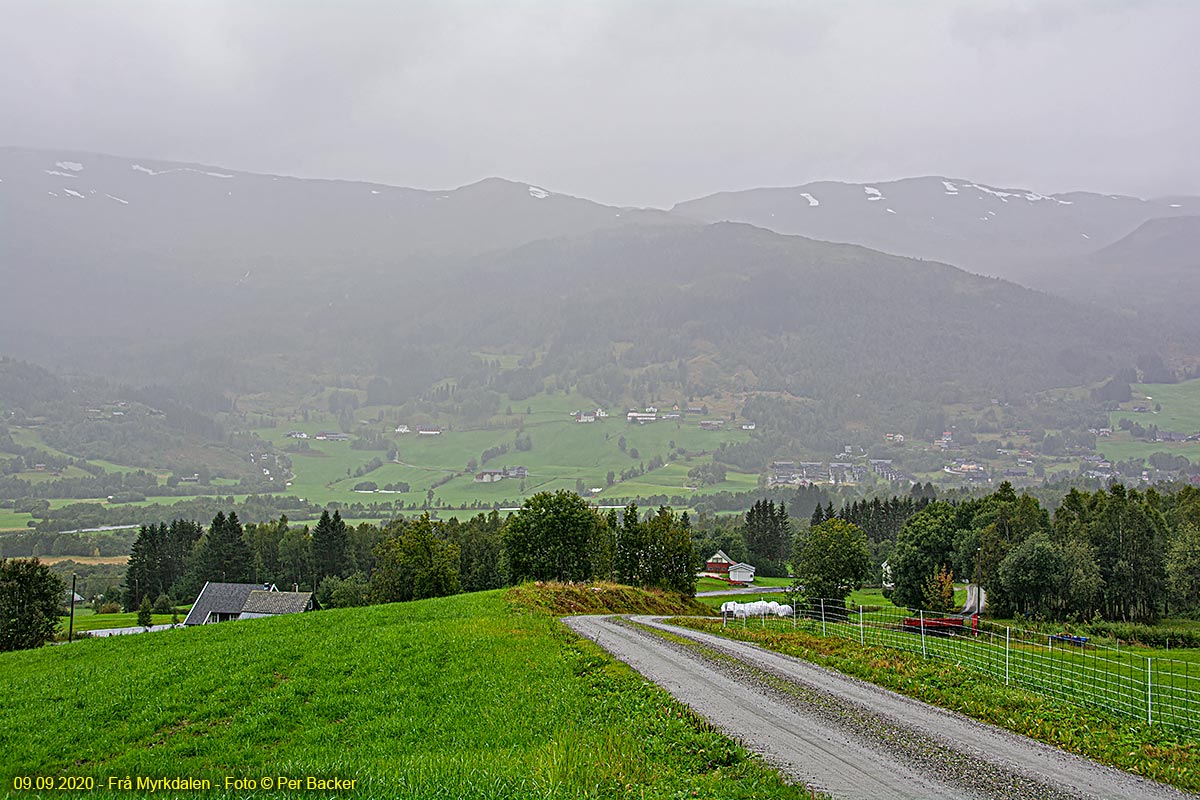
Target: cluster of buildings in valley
[[807, 473], [493, 475], [652, 414], [422, 430]]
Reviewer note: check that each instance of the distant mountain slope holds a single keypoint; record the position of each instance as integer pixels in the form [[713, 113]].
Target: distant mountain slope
[[1153, 272], [749, 309], [1009, 233], [209, 279], [120, 245]]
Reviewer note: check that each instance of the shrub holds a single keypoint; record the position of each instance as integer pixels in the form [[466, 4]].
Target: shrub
[[110, 607]]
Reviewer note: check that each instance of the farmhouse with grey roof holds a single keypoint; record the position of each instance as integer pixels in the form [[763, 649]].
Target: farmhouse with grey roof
[[264, 603], [220, 602]]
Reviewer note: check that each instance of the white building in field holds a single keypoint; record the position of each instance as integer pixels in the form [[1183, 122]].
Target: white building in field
[[741, 573]]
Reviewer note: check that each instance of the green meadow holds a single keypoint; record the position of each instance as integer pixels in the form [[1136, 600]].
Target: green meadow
[[456, 697], [562, 453], [1180, 412], [12, 521]]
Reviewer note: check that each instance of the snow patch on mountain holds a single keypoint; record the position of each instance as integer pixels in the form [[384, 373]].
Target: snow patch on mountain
[[118, 199], [74, 166], [950, 187], [538, 192], [74, 193], [993, 192], [812, 201], [148, 171], [873, 193], [58, 174]]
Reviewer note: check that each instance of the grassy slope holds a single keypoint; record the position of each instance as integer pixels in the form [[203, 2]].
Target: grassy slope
[[456, 697]]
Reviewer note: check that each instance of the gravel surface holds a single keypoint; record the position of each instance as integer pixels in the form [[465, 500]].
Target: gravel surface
[[850, 738]]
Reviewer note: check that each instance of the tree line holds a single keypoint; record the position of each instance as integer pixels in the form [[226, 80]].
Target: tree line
[[555, 536]]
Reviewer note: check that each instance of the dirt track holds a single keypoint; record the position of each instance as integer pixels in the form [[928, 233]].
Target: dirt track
[[850, 738]]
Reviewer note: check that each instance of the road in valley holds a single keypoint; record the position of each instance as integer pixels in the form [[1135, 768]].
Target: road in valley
[[850, 738]]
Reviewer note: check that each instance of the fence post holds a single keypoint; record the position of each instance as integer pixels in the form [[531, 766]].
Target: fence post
[[1006, 638], [822, 616], [1149, 695], [922, 613], [795, 608], [862, 636]]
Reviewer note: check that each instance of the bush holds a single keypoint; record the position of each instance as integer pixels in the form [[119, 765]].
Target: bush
[[110, 607], [349, 592], [162, 604]]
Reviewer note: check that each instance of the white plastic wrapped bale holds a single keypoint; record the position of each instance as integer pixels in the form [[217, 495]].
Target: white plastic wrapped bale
[[784, 610], [729, 607]]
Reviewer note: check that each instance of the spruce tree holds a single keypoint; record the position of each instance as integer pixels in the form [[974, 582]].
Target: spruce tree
[[329, 544], [143, 614]]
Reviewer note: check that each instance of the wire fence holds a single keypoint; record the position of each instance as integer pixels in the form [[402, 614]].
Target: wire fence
[[1074, 669]]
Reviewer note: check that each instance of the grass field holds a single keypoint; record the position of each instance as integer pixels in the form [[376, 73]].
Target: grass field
[[12, 521], [715, 585], [563, 452], [88, 620], [447, 698], [85, 559], [1180, 413]]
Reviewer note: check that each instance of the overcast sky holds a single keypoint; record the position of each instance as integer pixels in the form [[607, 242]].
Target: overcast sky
[[631, 103]]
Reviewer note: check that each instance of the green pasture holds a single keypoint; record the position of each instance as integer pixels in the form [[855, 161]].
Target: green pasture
[[12, 521], [1123, 447], [454, 697], [563, 452], [27, 437], [1180, 413], [88, 620], [715, 585]]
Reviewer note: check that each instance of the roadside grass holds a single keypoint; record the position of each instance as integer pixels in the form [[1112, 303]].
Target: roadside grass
[[1130, 745], [447, 698]]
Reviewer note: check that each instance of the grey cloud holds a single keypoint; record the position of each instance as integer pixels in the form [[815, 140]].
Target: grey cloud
[[626, 102]]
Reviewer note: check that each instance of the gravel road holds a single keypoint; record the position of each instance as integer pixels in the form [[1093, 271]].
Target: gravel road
[[850, 738], [745, 590]]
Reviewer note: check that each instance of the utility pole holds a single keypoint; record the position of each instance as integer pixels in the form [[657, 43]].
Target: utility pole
[[71, 624]]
